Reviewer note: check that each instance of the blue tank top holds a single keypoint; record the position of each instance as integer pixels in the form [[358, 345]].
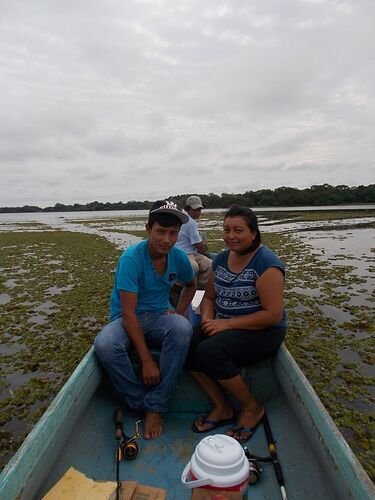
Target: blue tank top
[[236, 293]]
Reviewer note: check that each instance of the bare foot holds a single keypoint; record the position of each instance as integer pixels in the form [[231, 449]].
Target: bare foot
[[216, 417], [247, 423], [153, 425]]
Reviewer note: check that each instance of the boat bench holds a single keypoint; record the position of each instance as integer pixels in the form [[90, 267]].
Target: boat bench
[[189, 397]]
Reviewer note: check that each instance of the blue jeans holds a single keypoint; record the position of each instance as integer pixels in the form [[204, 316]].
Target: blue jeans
[[171, 333]]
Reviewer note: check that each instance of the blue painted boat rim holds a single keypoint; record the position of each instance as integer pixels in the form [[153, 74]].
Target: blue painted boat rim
[[43, 444], [348, 468]]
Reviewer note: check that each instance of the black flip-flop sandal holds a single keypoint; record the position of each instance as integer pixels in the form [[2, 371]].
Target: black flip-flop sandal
[[215, 423]]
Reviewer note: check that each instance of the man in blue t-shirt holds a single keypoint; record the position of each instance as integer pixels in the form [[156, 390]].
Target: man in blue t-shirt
[[141, 317]]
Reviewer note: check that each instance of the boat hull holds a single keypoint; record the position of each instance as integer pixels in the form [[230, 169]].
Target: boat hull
[[78, 430]]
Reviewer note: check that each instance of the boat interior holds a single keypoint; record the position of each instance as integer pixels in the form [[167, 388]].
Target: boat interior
[[90, 446]]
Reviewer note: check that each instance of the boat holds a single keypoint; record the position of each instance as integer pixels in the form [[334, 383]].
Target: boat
[[78, 430]]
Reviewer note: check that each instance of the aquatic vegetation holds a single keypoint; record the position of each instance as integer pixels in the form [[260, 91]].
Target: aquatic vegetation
[[338, 226], [316, 215], [35, 225], [59, 283], [25, 226], [115, 224], [315, 339], [110, 220], [54, 334], [141, 233]]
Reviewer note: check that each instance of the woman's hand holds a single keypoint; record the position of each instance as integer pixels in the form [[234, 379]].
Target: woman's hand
[[212, 327]]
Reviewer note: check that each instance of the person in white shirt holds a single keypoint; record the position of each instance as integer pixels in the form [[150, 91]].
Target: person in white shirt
[[191, 241]]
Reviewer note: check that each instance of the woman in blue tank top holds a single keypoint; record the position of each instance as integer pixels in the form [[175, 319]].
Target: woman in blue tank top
[[243, 322]]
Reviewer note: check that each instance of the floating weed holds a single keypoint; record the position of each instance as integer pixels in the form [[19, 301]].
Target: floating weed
[[80, 267], [139, 233], [323, 322], [318, 215], [110, 220], [316, 336]]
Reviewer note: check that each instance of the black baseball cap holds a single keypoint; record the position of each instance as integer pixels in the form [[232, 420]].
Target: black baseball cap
[[168, 207]]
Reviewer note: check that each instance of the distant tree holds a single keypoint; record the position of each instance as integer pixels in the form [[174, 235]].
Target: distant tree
[[59, 207], [365, 194], [211, 200], [30, 208], [319, 194], [248, 199], [286, 196]]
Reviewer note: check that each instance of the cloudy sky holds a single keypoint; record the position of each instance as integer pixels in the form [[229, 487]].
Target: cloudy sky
[[114, 100]]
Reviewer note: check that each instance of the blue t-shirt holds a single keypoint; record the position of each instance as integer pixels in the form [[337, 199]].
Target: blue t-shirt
[[236, 293], [135, 273]]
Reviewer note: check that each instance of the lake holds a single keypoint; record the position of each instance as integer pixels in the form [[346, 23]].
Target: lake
[[44, 298]]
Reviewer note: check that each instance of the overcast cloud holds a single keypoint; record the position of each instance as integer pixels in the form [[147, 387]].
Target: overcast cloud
[[114, 100]]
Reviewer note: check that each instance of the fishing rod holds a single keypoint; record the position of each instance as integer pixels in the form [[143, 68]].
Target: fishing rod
[[118, 435], [126, 447], [274, 457]]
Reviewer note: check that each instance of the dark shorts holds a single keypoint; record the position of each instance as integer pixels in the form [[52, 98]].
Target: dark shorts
[[221, 356]]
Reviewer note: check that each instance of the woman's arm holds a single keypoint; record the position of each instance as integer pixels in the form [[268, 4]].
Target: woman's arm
[[270, 287], [207, 306]]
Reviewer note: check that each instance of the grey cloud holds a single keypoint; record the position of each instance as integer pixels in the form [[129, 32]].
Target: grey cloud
[[119, 94], [190, 150], [120, 144]]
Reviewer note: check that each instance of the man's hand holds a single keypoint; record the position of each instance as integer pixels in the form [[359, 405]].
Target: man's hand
[[186, 297], [202, 247], [212, 327], [150, 373]]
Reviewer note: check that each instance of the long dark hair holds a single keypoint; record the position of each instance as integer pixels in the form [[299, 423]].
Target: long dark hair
[[251, 221]]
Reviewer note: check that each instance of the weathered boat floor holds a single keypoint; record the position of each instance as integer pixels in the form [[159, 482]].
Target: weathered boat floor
[[91, 450]]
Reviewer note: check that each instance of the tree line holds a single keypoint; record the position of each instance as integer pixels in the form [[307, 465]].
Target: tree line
[[323, 194]]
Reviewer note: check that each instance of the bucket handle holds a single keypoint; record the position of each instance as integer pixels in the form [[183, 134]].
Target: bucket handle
[[196, 483]]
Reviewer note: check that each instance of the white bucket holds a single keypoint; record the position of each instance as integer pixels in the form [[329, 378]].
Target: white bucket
[[218, 463]]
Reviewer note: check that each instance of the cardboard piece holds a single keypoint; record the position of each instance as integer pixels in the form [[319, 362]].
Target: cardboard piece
[[127, 489], [74, 485], [206, 494], [142, 492]]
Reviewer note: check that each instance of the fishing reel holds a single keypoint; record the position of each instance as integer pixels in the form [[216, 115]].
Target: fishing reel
[[255, 469], [127, 447], [129, 450]]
